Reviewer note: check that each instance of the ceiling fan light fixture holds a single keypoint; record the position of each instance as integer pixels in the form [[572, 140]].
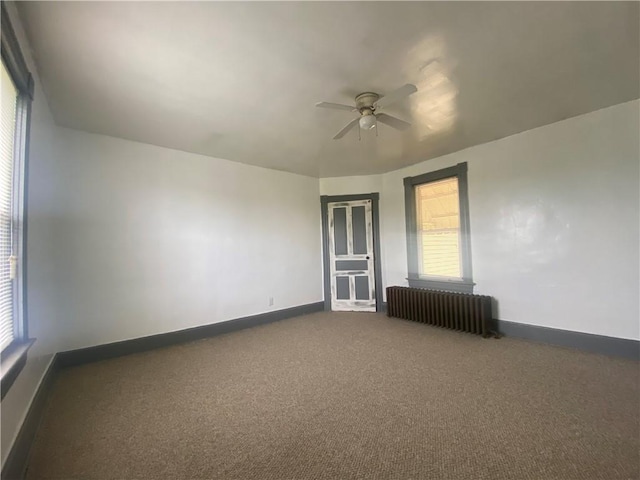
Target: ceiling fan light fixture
[[367, 104], [367, 122]]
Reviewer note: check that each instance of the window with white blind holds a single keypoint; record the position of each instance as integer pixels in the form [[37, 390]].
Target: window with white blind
[[16, 94], [438, 247], [7, 258]]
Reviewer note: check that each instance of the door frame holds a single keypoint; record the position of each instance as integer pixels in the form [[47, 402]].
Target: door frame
[[325, 200]]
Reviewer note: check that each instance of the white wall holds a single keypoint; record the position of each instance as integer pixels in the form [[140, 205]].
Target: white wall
[[554, 222], [351, 185], [16, 403], [151, 240]]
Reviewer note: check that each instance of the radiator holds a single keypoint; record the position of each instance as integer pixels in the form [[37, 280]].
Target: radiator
[[457, 311]]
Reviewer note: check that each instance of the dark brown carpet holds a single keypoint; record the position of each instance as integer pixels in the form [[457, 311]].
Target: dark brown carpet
[[344, 396]]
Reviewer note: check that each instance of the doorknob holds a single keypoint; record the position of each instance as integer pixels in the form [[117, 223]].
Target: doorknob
[[368, 257]]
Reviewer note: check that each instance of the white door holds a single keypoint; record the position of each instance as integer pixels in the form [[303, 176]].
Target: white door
[[351, 256]]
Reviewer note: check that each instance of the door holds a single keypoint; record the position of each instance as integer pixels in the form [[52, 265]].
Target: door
[[351, 263]]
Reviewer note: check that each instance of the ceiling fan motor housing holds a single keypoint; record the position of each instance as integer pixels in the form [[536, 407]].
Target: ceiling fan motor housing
[[365, 101]]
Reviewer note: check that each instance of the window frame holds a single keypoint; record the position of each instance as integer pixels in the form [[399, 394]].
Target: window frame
[[13, 357], [465, 283]]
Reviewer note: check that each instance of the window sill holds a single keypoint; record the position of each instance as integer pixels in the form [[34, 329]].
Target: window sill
[[13, 360], [458, 286]]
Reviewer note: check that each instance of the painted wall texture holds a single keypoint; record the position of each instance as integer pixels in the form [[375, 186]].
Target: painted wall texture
[[554, 222], [351, 185], [151, 240]]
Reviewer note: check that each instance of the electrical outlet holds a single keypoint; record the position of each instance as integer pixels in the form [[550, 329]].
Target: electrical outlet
[[271, 301]]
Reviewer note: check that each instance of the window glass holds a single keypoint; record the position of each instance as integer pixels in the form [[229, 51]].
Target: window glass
[[438, 228]]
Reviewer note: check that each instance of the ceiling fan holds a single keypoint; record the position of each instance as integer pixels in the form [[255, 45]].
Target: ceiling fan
[[368, 104]]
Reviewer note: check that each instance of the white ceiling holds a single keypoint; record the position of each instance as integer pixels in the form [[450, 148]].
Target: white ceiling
[[239, 80]]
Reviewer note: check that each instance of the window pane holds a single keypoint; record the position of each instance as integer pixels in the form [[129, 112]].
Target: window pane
[[8, 97], [438, 228]]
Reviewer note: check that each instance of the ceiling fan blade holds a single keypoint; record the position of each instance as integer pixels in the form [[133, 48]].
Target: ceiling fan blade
[[392, 121], [396, 95], [337, 106], [346, 128]]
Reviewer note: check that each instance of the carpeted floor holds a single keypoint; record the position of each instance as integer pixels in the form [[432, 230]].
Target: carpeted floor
[[344, 396]]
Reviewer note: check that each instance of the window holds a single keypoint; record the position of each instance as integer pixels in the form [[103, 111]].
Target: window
[[16, 93], [7, 271], [437, 215]]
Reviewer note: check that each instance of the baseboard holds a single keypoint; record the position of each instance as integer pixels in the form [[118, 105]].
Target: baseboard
[[15, 466], [137, 345], [619, 347]]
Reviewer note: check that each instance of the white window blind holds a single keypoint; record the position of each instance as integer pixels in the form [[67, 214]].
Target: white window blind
[[8, 99], [438, 228]]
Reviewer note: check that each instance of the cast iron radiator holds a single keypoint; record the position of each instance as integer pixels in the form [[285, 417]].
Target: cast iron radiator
[[457, 311]]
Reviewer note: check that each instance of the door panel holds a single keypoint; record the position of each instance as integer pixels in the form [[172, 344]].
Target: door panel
[[340, 230], [352, 264], [362, 287], [358, 222], [351, 256], [342, 288]]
